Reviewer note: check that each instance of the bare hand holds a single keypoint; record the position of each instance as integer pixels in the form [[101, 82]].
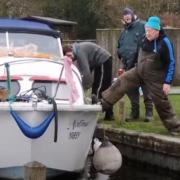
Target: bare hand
[[166, 88], [121, 71]]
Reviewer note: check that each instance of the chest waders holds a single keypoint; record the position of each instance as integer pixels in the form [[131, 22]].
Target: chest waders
[[150, 71]]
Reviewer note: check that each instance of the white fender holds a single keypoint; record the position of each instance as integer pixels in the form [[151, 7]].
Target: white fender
[[107, 159]]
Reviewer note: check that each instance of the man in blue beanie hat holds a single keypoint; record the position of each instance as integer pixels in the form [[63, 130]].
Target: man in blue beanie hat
[[155, 68], [128, 53]]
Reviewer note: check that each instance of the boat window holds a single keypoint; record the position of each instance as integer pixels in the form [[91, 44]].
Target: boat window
[[49, 87], [15, 87], [2, 40], [3, 45], [30, 45]]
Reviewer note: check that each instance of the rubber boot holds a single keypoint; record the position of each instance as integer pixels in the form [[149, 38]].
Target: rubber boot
[[149, 115], [109, 114]]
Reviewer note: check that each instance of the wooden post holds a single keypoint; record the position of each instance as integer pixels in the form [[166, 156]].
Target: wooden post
[[122, 112], [35, 171]]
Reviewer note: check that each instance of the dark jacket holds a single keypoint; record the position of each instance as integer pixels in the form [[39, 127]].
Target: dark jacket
[[162, 47], [89, 55], [128, 43]]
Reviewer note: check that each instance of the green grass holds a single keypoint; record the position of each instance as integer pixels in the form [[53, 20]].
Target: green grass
[[155, 126]]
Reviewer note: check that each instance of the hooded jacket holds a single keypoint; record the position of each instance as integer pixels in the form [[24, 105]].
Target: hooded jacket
[[128, 43]]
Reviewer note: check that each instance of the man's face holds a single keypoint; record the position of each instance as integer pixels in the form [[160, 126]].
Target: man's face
[[70, 55], [127, 18], [151, 34]]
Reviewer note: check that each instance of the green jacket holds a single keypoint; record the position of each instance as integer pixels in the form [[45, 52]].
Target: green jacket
[[128, 43]]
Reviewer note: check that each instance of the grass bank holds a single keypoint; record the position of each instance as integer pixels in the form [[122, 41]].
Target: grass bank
[[155, 126]]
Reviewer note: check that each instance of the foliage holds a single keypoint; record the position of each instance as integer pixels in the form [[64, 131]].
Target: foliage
[[18, 8], [86, 13], [92, 14]]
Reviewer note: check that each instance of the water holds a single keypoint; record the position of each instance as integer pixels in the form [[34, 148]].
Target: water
[[130, 170]]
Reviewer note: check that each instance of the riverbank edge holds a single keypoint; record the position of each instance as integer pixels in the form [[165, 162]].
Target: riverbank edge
[[154, 149]]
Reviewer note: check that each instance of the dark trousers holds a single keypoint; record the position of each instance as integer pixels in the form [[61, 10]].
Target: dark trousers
[[134, 97], [103, 80]]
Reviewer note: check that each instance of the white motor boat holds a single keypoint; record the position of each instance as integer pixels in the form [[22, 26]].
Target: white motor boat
[[43, 114]]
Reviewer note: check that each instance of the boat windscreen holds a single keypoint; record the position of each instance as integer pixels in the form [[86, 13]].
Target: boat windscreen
[[29, 45]]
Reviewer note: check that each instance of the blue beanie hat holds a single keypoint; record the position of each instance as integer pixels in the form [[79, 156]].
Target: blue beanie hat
[[154, 23]]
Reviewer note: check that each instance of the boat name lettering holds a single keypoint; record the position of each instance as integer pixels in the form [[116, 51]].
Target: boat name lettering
[[74, 135], [79, 123]]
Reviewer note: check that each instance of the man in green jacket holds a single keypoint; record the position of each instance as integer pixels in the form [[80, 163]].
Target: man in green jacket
[[128, 52]]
